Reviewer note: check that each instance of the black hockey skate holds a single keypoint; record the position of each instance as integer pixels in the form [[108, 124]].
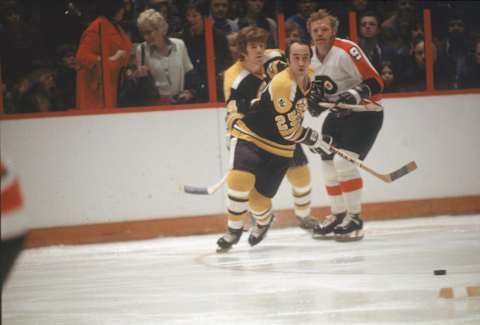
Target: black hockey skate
[[259, 232], [229, 239], [324, 230], [307, 223], [351, 229]]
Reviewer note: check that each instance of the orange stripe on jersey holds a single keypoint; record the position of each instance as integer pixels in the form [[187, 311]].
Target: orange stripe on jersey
[[334, 190], [364, 66], [11, 198], [351, 185]]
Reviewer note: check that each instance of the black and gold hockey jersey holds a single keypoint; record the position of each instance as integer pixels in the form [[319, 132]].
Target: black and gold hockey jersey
[[274, 122], [241, 86]]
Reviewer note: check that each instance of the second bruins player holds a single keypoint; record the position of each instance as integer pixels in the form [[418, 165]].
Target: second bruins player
[[265, 133], [244, 81]]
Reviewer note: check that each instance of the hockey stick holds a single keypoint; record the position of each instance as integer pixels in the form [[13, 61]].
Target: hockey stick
[[190, 189], [369, 106], [387, 178]]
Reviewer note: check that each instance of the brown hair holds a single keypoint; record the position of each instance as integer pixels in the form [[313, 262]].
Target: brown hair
[[321, 14], [250, 34]]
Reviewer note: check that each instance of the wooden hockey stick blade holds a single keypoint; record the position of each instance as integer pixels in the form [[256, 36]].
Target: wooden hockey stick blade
[[190, 189], [387, 178], [367, 107], [408, 168]]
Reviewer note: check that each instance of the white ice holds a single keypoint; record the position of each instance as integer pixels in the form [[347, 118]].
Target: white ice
[[289, 278]]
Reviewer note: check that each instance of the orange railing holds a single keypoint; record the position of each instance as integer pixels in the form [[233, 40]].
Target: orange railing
[[213, 102]]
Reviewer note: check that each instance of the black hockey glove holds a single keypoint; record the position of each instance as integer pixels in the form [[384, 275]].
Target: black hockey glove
[[354, 95], [316, 96], [319, 144]]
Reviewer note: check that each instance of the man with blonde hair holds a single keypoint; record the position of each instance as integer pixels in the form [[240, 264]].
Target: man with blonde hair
[[343, 74]]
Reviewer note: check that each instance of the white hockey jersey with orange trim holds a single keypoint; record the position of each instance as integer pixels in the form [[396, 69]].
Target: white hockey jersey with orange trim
[[13, 220], [345, 66]]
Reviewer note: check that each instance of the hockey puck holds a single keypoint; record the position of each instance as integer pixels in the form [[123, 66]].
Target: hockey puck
[[440, 272]]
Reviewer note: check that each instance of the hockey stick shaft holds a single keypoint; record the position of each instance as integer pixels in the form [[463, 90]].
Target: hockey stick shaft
[[190, 189], [367, 107], [387, 178]]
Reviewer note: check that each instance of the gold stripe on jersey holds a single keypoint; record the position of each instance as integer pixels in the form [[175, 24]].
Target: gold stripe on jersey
[[283, 91], [241, 131], [231, 119], [229, 78]]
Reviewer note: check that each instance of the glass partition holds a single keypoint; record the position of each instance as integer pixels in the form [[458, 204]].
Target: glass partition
[[59, 58]]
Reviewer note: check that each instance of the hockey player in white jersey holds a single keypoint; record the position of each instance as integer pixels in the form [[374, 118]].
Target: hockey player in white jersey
[[343, 74]]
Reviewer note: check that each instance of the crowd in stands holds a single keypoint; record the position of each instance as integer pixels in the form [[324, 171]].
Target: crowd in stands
[[57, 54]]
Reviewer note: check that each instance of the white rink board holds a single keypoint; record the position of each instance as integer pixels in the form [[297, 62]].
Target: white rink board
[[119, 167]]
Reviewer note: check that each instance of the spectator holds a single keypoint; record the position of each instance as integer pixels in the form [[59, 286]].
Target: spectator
[[170, 13], [194, 38], [233, 46], [22, 46], [103, 50], [38, 93], [304, 10], [15, 97], [397, 30], [455, 47], [359, 7], [219, 10], [66, 74], [414, 78], [254, 14], [402, 8], [166, 58], [293, 32], [389, 77], [369, 40], [470, 74], [128, 20]]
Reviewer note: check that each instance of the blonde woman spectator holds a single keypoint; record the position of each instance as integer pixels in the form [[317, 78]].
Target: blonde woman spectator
[[166, 58]]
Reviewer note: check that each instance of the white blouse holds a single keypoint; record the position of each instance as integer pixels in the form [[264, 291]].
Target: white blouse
[[169, 71]]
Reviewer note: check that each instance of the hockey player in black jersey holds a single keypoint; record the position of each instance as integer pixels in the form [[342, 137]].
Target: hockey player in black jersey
[[265, 132], [241, 86]]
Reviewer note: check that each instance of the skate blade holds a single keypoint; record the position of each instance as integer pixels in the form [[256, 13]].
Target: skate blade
[[221, 250], [309, 230], [354, 236], [323, 237]]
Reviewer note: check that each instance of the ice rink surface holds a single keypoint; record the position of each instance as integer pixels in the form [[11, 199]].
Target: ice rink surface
[[289, 278]]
